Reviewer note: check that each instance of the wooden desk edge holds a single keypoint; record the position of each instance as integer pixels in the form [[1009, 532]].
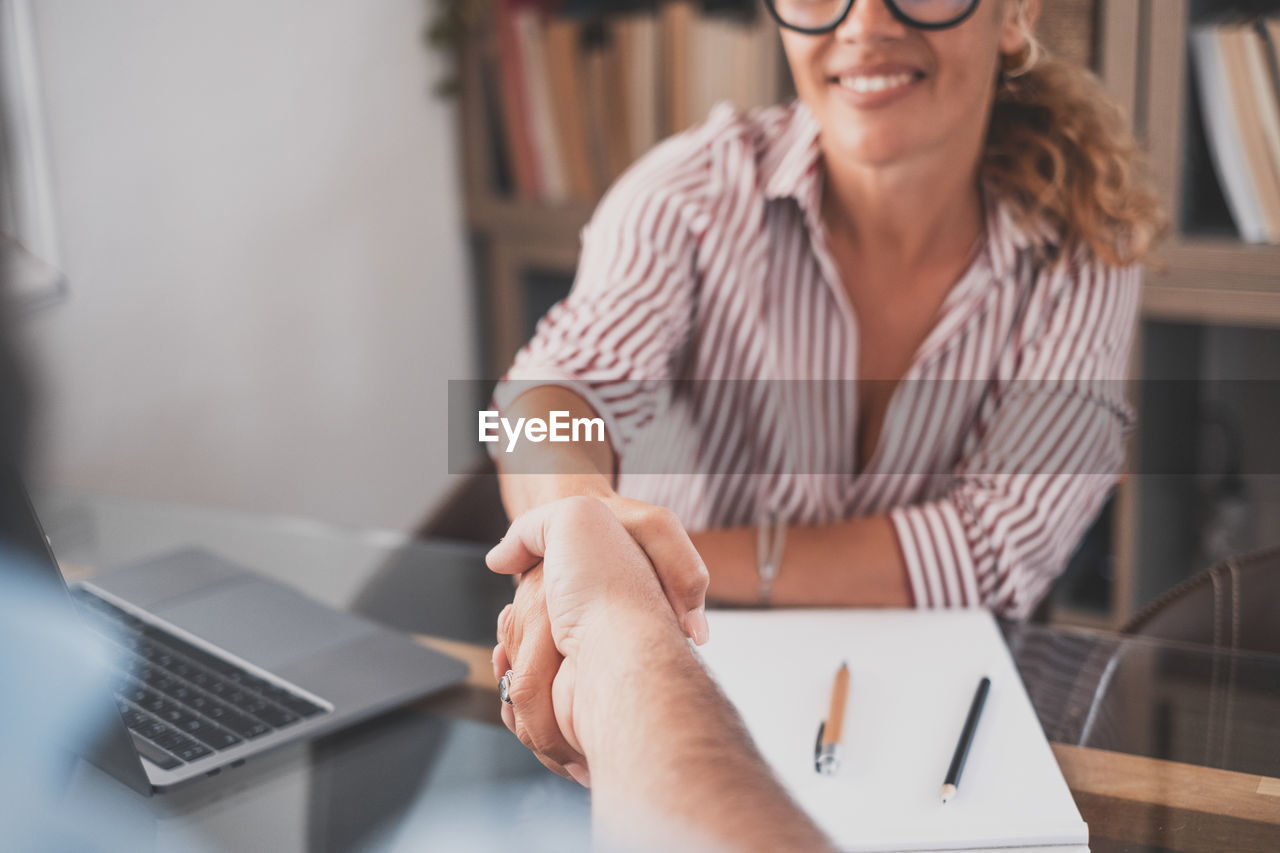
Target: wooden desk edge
[[1087, 770], [479, 660], [1169, 784]]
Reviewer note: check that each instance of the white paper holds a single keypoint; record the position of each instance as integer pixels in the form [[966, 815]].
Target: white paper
[[913, 675]]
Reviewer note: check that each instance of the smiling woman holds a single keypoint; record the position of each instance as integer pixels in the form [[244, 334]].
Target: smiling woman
[[945, 230]]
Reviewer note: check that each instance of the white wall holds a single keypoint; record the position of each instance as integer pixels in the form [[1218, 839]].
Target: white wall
[[260, 221]]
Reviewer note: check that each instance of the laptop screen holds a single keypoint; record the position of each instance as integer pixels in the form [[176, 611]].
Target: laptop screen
[[46, 629], [22, 538]]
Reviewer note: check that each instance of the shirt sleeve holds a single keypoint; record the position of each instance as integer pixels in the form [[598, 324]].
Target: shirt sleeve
[[1044, 460], [624, 326]]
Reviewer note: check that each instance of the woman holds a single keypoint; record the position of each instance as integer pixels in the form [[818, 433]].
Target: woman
[[945, 228]]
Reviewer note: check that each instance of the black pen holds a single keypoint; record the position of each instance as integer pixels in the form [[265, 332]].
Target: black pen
[[952, 781]]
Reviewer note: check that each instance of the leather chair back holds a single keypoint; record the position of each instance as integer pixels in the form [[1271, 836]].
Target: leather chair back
[[1234, 605]]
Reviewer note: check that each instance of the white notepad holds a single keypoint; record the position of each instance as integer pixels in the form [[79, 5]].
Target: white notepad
[[913, 676]]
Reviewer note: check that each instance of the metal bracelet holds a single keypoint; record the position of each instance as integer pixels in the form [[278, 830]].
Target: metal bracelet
[[771, 537]]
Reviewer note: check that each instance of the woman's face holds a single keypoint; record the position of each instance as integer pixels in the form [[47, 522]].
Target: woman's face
[[887, 93]]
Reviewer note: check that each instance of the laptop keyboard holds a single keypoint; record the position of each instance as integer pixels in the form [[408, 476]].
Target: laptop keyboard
[[182, 703]]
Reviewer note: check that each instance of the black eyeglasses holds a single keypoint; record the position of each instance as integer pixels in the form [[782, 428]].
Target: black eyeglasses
[[815, 17]]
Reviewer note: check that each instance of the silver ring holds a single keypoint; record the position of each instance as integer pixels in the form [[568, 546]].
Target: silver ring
[[504, 687]]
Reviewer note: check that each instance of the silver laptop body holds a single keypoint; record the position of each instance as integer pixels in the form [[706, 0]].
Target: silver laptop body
[[213, 653]]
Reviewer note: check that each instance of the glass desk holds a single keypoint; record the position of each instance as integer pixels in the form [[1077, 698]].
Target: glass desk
[[1165, 747]]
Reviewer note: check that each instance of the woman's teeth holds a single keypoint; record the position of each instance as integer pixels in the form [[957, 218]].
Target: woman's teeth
[[874, 83]]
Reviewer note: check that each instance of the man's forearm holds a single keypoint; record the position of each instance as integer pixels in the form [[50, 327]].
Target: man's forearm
[[850, 563], [661, 739]]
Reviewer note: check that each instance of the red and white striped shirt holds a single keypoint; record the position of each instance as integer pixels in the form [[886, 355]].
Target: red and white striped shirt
[[707, 261]]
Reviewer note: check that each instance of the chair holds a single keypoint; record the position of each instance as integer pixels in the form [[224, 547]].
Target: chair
[[1234, 605]]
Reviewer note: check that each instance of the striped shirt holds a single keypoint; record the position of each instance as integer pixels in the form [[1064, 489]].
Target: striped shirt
[[707, 260]]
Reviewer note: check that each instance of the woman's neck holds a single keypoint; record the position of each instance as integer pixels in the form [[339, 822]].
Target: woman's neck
[[906, 215]]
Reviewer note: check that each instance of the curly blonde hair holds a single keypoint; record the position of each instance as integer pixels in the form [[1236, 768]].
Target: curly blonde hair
[[1061, 149]]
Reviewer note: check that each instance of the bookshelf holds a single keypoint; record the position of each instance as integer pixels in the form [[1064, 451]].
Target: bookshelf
[[525, 252], [1208, 274], [517, 236], [1209, 293]]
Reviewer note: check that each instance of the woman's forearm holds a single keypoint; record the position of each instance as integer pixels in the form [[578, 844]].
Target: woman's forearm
[[850, 563], [854, 562], [535, 474]]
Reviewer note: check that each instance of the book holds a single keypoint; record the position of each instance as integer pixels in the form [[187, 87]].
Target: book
[[1066, 27], [1264, 112], [564, 71], [515, 100], [582, 94], [552, 184], [1269, 29], [595, 99], [733, 59], [615, 117], [637, 38], [677, 20], [498, 139], [1222, 129], [756, 57], [912, 677], [711, 63], [1236, 42]]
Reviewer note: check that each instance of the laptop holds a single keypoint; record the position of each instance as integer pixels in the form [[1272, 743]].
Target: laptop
[[214, 664]]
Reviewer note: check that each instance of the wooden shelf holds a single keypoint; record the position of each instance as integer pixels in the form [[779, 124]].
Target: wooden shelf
[[1214, 306], [528, 222], [1217, 281], [1203, 279], [1226, 258]]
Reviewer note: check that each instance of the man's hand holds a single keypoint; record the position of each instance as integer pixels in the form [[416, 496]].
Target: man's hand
[[669, 754], [593, 576]]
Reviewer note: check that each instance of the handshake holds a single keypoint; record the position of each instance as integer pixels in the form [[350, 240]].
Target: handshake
[[589, 604], [600, 682]]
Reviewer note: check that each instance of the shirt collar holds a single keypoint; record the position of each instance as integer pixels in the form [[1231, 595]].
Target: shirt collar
[[790, 160], [790, 165], [1008, 234]]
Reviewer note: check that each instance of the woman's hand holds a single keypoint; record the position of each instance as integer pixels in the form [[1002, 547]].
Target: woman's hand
[[538, 474], [525, 641], [583, 574], [676, 563], [527, 646]]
